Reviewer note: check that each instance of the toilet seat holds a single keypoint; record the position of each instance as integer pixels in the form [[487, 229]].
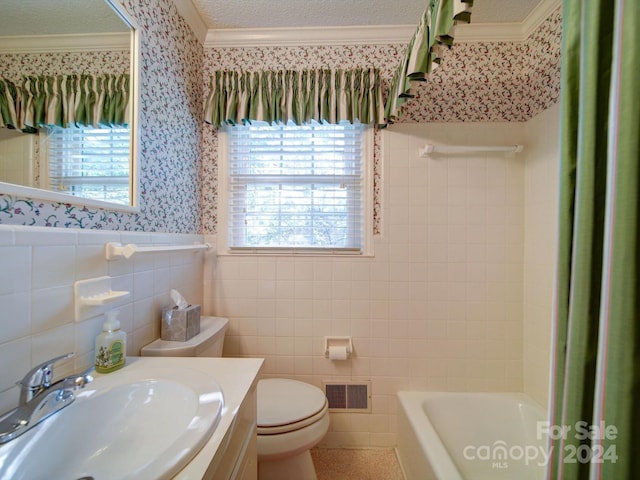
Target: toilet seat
[[288, 405]]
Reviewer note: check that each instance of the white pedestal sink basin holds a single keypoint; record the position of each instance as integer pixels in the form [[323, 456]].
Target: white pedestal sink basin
[[136, 423]]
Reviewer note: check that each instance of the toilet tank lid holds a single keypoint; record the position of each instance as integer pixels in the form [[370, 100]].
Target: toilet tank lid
[[209, 328]]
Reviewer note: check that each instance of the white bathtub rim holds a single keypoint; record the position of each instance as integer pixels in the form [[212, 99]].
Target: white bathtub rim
[[439, 458]]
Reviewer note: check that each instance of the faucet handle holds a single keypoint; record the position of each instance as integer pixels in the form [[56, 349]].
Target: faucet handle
[[39, 377]]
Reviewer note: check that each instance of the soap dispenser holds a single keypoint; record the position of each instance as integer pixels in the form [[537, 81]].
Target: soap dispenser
[[111, 345]]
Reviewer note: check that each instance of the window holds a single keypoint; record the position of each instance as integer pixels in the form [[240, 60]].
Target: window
[[88, 162], [298, 188]]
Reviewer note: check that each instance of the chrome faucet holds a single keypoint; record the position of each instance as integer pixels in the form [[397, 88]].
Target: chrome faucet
[[39, 398]]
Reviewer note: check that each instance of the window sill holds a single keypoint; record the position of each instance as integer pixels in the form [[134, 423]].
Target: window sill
[[294, 252]]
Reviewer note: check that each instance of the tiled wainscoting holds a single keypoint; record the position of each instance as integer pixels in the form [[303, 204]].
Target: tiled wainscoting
[[38, 268]]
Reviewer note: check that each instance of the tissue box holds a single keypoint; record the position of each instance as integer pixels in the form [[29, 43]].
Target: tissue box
[[180, 324]]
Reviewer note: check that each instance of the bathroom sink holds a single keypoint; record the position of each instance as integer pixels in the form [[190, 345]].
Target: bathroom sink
[[136, 423]]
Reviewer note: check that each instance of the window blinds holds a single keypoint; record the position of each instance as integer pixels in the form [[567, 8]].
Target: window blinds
[[297, 187], [89, 162]]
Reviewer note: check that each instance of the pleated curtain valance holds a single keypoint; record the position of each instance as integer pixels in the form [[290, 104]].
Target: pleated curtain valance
[[284, 96], [65, 100], [433, 36]]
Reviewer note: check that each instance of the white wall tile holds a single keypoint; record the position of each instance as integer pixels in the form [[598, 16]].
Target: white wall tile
[[439, 306], [45, 236], [15, 321], [51, 308], [7, 236], [38, 267], [89, 261], [15, 354], [51, 343], [15, 274], [540, 199], [53, 265]]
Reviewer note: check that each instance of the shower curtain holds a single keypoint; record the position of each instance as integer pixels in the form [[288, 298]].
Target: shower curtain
[[595, 395]]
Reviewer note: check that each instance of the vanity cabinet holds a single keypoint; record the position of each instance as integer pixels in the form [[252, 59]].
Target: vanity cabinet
[[232, 451], [239, 448]]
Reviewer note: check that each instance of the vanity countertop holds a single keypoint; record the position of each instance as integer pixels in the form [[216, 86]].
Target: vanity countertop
[[236, 377]]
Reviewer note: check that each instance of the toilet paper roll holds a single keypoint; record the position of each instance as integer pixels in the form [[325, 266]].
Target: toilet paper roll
[[337, 352]]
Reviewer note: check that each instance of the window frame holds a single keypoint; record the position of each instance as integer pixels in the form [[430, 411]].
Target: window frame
[[367, 203]]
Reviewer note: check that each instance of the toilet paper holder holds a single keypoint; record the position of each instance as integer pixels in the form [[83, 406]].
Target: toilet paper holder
[[338, 342]]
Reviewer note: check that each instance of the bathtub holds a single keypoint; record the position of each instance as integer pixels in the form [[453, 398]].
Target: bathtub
[[471, 436]]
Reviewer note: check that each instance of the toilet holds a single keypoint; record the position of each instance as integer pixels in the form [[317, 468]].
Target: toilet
[[292, 415]]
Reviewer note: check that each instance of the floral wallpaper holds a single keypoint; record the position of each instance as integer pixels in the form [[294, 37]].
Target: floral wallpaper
[[476, 82], [493, 82], [170, 133], [14, 66]]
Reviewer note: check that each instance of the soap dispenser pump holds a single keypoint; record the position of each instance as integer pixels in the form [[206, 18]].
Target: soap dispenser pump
[[111, 345]]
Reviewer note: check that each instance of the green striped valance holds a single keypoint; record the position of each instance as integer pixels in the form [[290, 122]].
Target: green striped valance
[[282, 96], [8, 96], [64, 100], [433, 36]]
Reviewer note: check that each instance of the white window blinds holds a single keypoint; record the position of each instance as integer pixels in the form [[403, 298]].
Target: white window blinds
[[89, 162], [299, 187]]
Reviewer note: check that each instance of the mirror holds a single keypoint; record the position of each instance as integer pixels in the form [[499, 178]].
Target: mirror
[[69, 39]]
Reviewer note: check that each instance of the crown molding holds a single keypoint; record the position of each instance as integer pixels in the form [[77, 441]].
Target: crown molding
[[375, 35], [488, 32], [507, 32], [308, 36], [191, 15], [65, 43], [539, 15]]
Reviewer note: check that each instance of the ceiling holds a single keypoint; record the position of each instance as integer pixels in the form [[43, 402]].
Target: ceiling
[[44, 17], [29, 17], [227, 14]]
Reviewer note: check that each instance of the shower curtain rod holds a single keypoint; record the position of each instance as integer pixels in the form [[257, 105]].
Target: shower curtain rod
[[429, 149]]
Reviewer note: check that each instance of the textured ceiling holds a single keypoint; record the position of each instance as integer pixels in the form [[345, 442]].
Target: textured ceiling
[[218, 14], [48, 17], [27, 17]]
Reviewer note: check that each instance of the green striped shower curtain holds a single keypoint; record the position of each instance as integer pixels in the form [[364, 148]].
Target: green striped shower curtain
[[595, 398]]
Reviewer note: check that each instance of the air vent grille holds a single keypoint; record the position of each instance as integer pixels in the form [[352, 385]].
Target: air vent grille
[[348, 396]]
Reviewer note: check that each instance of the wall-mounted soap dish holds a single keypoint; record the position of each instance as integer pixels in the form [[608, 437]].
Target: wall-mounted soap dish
[[94, 292]]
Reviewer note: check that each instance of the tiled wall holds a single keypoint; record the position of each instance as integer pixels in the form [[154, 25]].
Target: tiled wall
[[38, 268], [439, 307], [541, 198]]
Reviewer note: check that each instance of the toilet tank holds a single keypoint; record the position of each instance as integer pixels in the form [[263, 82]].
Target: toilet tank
[[208, 343]]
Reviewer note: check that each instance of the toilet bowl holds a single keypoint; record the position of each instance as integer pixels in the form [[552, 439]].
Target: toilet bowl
[[292, 415], [292, 418]]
